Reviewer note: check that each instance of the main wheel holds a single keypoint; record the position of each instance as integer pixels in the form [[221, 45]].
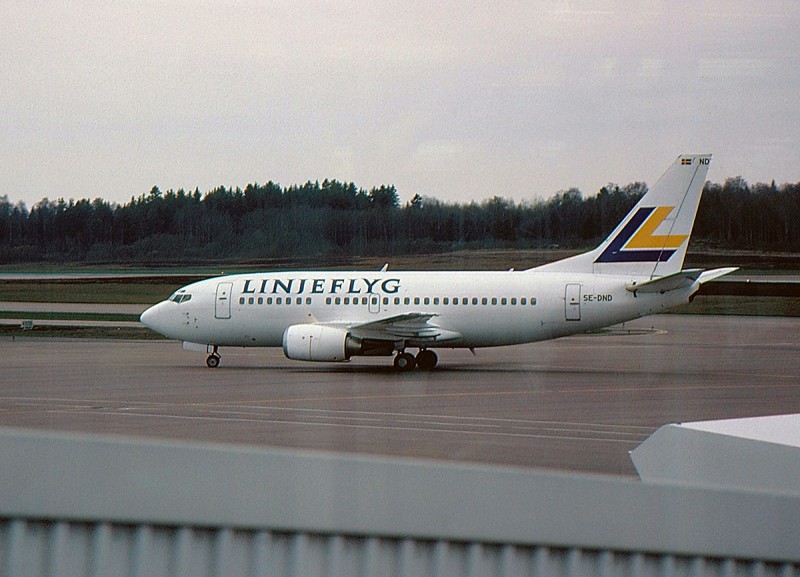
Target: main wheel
[[404, 362], [426, 359], [212, 361]]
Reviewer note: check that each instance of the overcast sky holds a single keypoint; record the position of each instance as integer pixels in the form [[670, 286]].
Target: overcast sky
[[457, 100]]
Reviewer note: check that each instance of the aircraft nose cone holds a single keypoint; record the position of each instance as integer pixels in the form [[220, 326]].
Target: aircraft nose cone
[[154, 318]]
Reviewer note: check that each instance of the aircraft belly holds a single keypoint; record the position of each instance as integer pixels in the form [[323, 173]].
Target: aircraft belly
[[506, 327], [243, 329]]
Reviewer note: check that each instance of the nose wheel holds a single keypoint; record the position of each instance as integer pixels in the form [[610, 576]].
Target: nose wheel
[[212, 362]]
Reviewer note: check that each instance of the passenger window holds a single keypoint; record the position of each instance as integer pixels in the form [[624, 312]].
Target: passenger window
[[279, 301], [427, 301], [363, 300], [513, 301], [504, 301], [484, 301], [261, 300], [465, 301], [397, 300], [494, 300], [251, 301], [338, 300], [347, 300], [523, 301], [241, 301], [446, 300], [474, 300], [298, 301], [436, 300], [416, 300], [386, 300], [269, 300], [407, 300], [533, 301]]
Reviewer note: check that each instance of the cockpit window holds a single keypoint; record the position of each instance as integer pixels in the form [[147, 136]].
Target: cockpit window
[[180, 297]]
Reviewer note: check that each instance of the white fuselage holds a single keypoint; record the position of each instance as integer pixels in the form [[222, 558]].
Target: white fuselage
[[473, 309]]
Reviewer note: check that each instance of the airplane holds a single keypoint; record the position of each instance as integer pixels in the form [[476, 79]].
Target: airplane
[[332, 316]]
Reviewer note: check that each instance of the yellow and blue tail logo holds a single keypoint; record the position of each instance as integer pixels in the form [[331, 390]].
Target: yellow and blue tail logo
[[652, 239], [637, 241]]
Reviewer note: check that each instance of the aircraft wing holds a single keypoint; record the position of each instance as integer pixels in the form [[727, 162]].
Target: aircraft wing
[[416, 326]]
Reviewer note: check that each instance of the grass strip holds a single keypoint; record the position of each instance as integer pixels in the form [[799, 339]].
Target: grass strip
[[133, 333], [108, 292], [741, 305], [59, 316]]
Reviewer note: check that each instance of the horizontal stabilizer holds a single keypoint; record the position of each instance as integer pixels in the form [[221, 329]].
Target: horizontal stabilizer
[[679, 280], [716, 273]]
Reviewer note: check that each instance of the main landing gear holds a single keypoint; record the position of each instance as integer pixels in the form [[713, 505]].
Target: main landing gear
[[425, 360], [212, 362]]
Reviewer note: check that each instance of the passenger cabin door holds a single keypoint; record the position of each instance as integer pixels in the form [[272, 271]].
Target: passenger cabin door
[[572, 302], [222, 309]]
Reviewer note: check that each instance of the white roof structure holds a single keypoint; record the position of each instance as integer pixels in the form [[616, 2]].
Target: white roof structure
[[760, 454]]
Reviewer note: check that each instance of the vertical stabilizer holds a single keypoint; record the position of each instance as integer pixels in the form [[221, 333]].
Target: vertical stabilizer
[[651, 240]]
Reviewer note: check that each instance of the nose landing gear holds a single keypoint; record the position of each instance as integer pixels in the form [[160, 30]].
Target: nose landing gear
[[212, 362]]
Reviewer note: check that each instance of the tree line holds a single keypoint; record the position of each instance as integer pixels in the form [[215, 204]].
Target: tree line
[[340, 219]]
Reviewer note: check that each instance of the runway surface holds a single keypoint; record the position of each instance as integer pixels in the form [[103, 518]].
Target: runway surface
[[578, 403]]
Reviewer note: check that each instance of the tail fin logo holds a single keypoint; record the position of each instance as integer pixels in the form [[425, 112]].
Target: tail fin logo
[[637, 241]]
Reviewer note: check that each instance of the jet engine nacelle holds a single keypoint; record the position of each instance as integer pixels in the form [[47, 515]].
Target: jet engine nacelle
[[319, 343]]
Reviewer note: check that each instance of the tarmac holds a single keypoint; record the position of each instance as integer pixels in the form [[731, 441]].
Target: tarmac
[[579, 403]]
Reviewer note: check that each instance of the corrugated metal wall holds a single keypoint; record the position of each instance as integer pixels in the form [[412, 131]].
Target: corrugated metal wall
[[60, 549]]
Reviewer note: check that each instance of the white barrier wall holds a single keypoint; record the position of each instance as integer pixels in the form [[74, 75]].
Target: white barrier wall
[[80, 505]]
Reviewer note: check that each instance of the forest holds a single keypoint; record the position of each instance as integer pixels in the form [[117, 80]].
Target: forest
[[339, 219]]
